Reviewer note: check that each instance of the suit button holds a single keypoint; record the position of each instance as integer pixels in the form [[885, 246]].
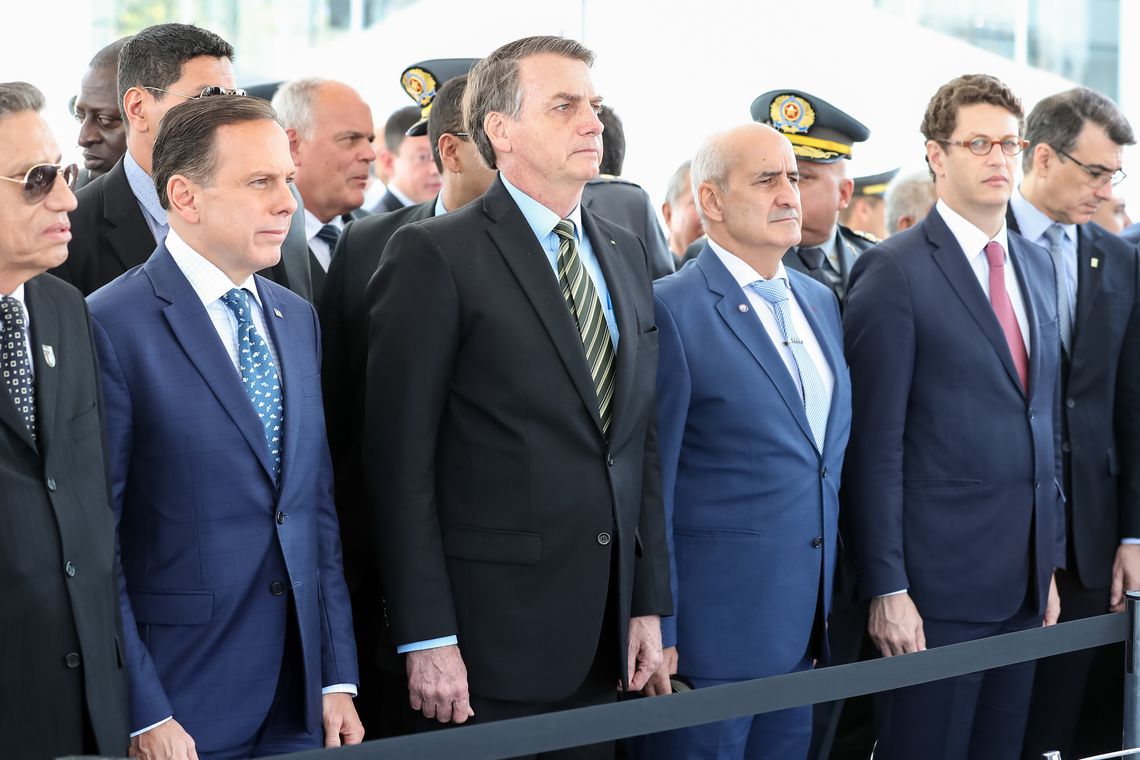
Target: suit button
[[72, 660], [280, 518], [1032, 416], [817, 542], [604, 538], [610, 460], [51, 484], [1065, 447], [1070, 403], [1037, 484], [276, 588], [823, 472], [69, 569]]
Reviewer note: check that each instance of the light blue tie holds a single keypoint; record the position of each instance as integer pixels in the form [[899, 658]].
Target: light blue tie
[[776, 293], [258, 375], [1055, 234]]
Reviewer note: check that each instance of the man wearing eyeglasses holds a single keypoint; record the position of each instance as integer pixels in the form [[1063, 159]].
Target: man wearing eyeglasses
[[62, 690], [1076, 141], [101, 132], [953, 473]]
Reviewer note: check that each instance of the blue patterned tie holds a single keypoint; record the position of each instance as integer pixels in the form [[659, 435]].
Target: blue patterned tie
[[258, 374], [776, 293], [1055, 234]]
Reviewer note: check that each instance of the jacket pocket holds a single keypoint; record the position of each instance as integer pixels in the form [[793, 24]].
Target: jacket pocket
[[85, 423], [172, 608], [483, 545]]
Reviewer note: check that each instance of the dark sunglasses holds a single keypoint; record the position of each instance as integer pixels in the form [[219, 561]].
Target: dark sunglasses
[[40, 179], [208, 92]]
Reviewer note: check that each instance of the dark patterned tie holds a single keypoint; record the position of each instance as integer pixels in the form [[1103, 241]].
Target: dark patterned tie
[[582, 299], [258, 374], [15, 364], [329, 234]]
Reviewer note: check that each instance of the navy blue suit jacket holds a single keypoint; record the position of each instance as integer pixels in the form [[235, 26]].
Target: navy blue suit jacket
[[752, 506], [952, 479], [213, 553]]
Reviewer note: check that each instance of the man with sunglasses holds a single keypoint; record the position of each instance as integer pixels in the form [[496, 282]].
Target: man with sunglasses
[[101, 132], [383, 703], [952, 481], [62, 690], [1076, 140]]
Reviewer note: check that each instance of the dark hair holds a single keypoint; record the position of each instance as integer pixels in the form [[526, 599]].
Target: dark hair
[[16, 97], [187, 136], [613, 142], [446, 114], [399, 123], [493, 83], [108, 57], [154, 56], [1058, 120], [941, 117]]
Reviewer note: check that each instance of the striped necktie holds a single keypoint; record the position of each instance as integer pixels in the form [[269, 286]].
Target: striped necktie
[[1054, 234], [583, 302], [816, 401]]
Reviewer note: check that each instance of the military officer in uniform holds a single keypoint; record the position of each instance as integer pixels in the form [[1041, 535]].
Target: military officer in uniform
[[867, 212], [821, 137]]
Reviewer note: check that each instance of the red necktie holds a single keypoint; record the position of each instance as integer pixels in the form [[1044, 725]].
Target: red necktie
[[1003, 308]]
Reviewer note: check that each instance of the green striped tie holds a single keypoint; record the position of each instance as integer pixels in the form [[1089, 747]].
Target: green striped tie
[[582, 298]]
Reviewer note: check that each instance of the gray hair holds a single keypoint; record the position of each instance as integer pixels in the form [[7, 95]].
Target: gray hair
[[296, 104], [493, 84], [16, 97], [909, 195], [709, 165], [1058, 120], [678, 183]]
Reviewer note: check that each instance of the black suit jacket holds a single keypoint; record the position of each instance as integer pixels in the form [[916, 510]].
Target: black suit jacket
[[109, 235], [60, 634], [853, 244], [1101, 407], [498, 503], [344, 330], [388, 202], [628, 205]]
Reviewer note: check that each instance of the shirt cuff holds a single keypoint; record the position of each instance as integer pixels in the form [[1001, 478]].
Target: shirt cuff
[[419, 646], [340, 688], [893, 593], [1129, 541], [152, 725]]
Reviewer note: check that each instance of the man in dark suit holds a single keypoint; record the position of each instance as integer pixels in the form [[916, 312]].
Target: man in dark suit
[[383, 703], [612, 196], [822, 137], [509, 420], [330, 135], [62, 690], [752, 358], [102, 134], [238, 629], [406, 161], [119, 219], [1076, 141], [953, 478]]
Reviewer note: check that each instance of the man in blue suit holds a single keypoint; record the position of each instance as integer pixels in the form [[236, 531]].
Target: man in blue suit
[[754, 410], [238, 629], [952, 477]]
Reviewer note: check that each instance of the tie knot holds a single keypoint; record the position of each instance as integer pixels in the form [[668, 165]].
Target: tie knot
[[812, 257], [1054, 233], [329, 234], [564, 229], [238, 301], [995, 254], [772, 291], [11, 311]]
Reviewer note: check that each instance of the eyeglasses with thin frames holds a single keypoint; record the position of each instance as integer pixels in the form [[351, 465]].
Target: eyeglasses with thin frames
[[1098, 176], [40, 179], [207, 92], [983, 146]]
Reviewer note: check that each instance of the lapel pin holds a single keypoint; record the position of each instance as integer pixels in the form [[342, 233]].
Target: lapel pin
[[743, 308], [1094, 263], [49, 355], [613, 242], [277, 313]]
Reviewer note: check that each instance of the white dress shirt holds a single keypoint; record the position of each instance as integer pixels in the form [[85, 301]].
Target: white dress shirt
[[744, 275]]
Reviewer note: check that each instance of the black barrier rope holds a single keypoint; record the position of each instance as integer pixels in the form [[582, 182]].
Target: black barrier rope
[[588, 725]]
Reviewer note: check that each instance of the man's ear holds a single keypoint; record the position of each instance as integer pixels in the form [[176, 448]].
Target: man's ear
[[182, 198], [936, 157], [386, 160], [294, 145], [134, 101], [667, 212], [846, 190], [449, 154], [498, 129], [710, 201]]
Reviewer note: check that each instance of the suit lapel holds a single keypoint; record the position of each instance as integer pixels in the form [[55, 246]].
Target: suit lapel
[[1088, 276], [290, 376], [519, 247], [45, 338], [198, 338], [951, 259], [130, 237], [1017, 255], [750, 331], [613, 269]]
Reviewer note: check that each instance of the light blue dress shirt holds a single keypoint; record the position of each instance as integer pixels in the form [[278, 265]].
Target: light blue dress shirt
[[142, 185], [1032, 223]]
